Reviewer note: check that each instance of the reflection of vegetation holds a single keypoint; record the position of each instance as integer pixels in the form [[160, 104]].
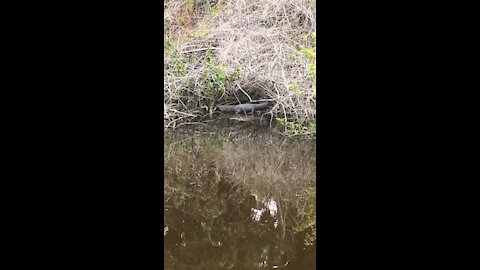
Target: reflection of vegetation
[[209, 179], [308, 216], [296, 128]]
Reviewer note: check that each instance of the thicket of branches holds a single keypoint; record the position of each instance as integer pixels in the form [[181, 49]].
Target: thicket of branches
[[231, 51]]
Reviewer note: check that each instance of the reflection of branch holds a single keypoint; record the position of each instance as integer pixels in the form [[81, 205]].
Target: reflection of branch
[[282, 219], [280, 266], [169, 225]]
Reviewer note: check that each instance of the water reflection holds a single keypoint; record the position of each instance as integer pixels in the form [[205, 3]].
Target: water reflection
[[238, 196]]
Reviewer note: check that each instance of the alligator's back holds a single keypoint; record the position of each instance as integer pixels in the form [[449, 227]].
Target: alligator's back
[[247, 107], [226, 108], [250, 107]]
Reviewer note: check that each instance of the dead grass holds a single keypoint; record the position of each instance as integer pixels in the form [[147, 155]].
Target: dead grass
[[238, 50]]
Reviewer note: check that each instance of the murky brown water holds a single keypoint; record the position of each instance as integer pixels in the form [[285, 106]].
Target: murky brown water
[[238, 196]]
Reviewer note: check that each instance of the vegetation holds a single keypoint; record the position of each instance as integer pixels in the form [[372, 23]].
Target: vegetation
[[230, 51]]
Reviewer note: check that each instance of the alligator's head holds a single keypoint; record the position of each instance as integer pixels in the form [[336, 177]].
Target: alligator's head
[[222, 107]]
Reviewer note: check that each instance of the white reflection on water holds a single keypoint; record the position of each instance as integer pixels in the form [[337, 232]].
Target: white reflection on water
[[272, 206], [257, 214]]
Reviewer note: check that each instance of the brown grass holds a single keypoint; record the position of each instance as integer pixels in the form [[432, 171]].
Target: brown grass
[[258, 40]]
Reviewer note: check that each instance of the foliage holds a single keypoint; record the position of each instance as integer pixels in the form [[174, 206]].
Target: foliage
[[214, 78], [311, 55], [177, 63]]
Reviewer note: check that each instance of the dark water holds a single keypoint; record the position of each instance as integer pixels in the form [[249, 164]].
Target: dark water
[[238, 196]]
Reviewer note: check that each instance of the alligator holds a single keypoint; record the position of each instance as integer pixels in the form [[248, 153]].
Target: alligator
[[247, 107]]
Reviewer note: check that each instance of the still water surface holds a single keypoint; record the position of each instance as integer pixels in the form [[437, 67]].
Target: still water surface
[[238, 196]]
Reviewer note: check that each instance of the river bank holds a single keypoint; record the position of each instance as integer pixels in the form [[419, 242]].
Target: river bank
[[236, 52]]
